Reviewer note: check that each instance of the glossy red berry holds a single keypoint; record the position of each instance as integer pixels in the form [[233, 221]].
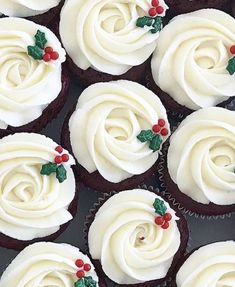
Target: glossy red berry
[[87, 267], [159, 220], [156, 128], [232, 49], [54, 55], [167, 217], [65, 157], [48, 50], [80, 274], [159, 10], [161, 122], [79, 263], [164, 132], [59, 149], [46, 57], [152, 12], [58, 159], [165, 225], [155, 3]]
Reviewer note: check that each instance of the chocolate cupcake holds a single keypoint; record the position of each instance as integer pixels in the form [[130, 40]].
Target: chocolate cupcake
[[193, 64], [38, 189], [116, 133], [51, 264], [201, 162], [110, 40], [137, 238], [33, 87]]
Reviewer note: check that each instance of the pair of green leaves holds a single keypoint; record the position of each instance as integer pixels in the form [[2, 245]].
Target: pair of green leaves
[[159, 206], [155, 140], [51, 167], [36, 51], [154, 22], [85, 282]]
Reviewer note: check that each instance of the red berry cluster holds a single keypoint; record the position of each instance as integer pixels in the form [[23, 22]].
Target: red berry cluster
[[61, 158], [156, 9], [159, 127], [163, 221], [50, 54], [232, 49], [85, 267]]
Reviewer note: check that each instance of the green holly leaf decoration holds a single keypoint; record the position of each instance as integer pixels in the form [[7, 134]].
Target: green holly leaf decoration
[[231, 66], [49, 168], [89, 282], [61, 173], [155, 23], [79, 283], [145, 135], [159, 206], [35, 52], [40, 39], [155, 143]]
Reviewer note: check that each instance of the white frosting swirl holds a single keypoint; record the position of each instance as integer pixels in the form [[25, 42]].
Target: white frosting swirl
[[105, 125], [27, 86], [116, 238], [26, 8], [32, 205], [211, 265], [46, 264], [201, 156], [102, 34], [191, 57]]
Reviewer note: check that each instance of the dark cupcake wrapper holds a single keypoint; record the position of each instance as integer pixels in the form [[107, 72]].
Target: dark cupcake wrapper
[[182, 225]]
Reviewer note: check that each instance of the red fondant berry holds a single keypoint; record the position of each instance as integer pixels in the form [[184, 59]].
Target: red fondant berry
[[58, 159], [48, 50], [159, 10], [46, 57], [54, 55], [232, 49], [164, 132], [155, 3], [59, 149], [80, 274], [65, 157], [156, 128], [142, 238], [165, 225], [87, 267], [152, 12], [161, 122], [79, 263], [167, 217], [159, 220]]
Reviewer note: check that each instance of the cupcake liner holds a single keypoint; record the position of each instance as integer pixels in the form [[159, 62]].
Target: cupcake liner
[[182, 225]]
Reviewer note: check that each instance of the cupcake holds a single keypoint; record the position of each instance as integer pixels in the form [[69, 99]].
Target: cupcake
[[38, 189], [116, 133], [41, 12], [50, 264], [110, 40], [32, 86], [210, 265], [201, 162], [193, 65], [137, 238]]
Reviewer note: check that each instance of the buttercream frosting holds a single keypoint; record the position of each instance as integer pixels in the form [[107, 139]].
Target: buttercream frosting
[[102, 34], [130, 246], [32, 205], [27, 86], [191, 57], [104, 128], [211, 265], [46, 264], [26, 8], [201, 156]]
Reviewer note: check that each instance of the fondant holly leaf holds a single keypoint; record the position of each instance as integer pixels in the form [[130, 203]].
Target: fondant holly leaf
[[159, 206], [155, 143], [145, 135], [40, 39], [48, 168], [61, 173], [231, 66], [144, 21], [79, 283], [89, 282], [157, 25], [35, 52]]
